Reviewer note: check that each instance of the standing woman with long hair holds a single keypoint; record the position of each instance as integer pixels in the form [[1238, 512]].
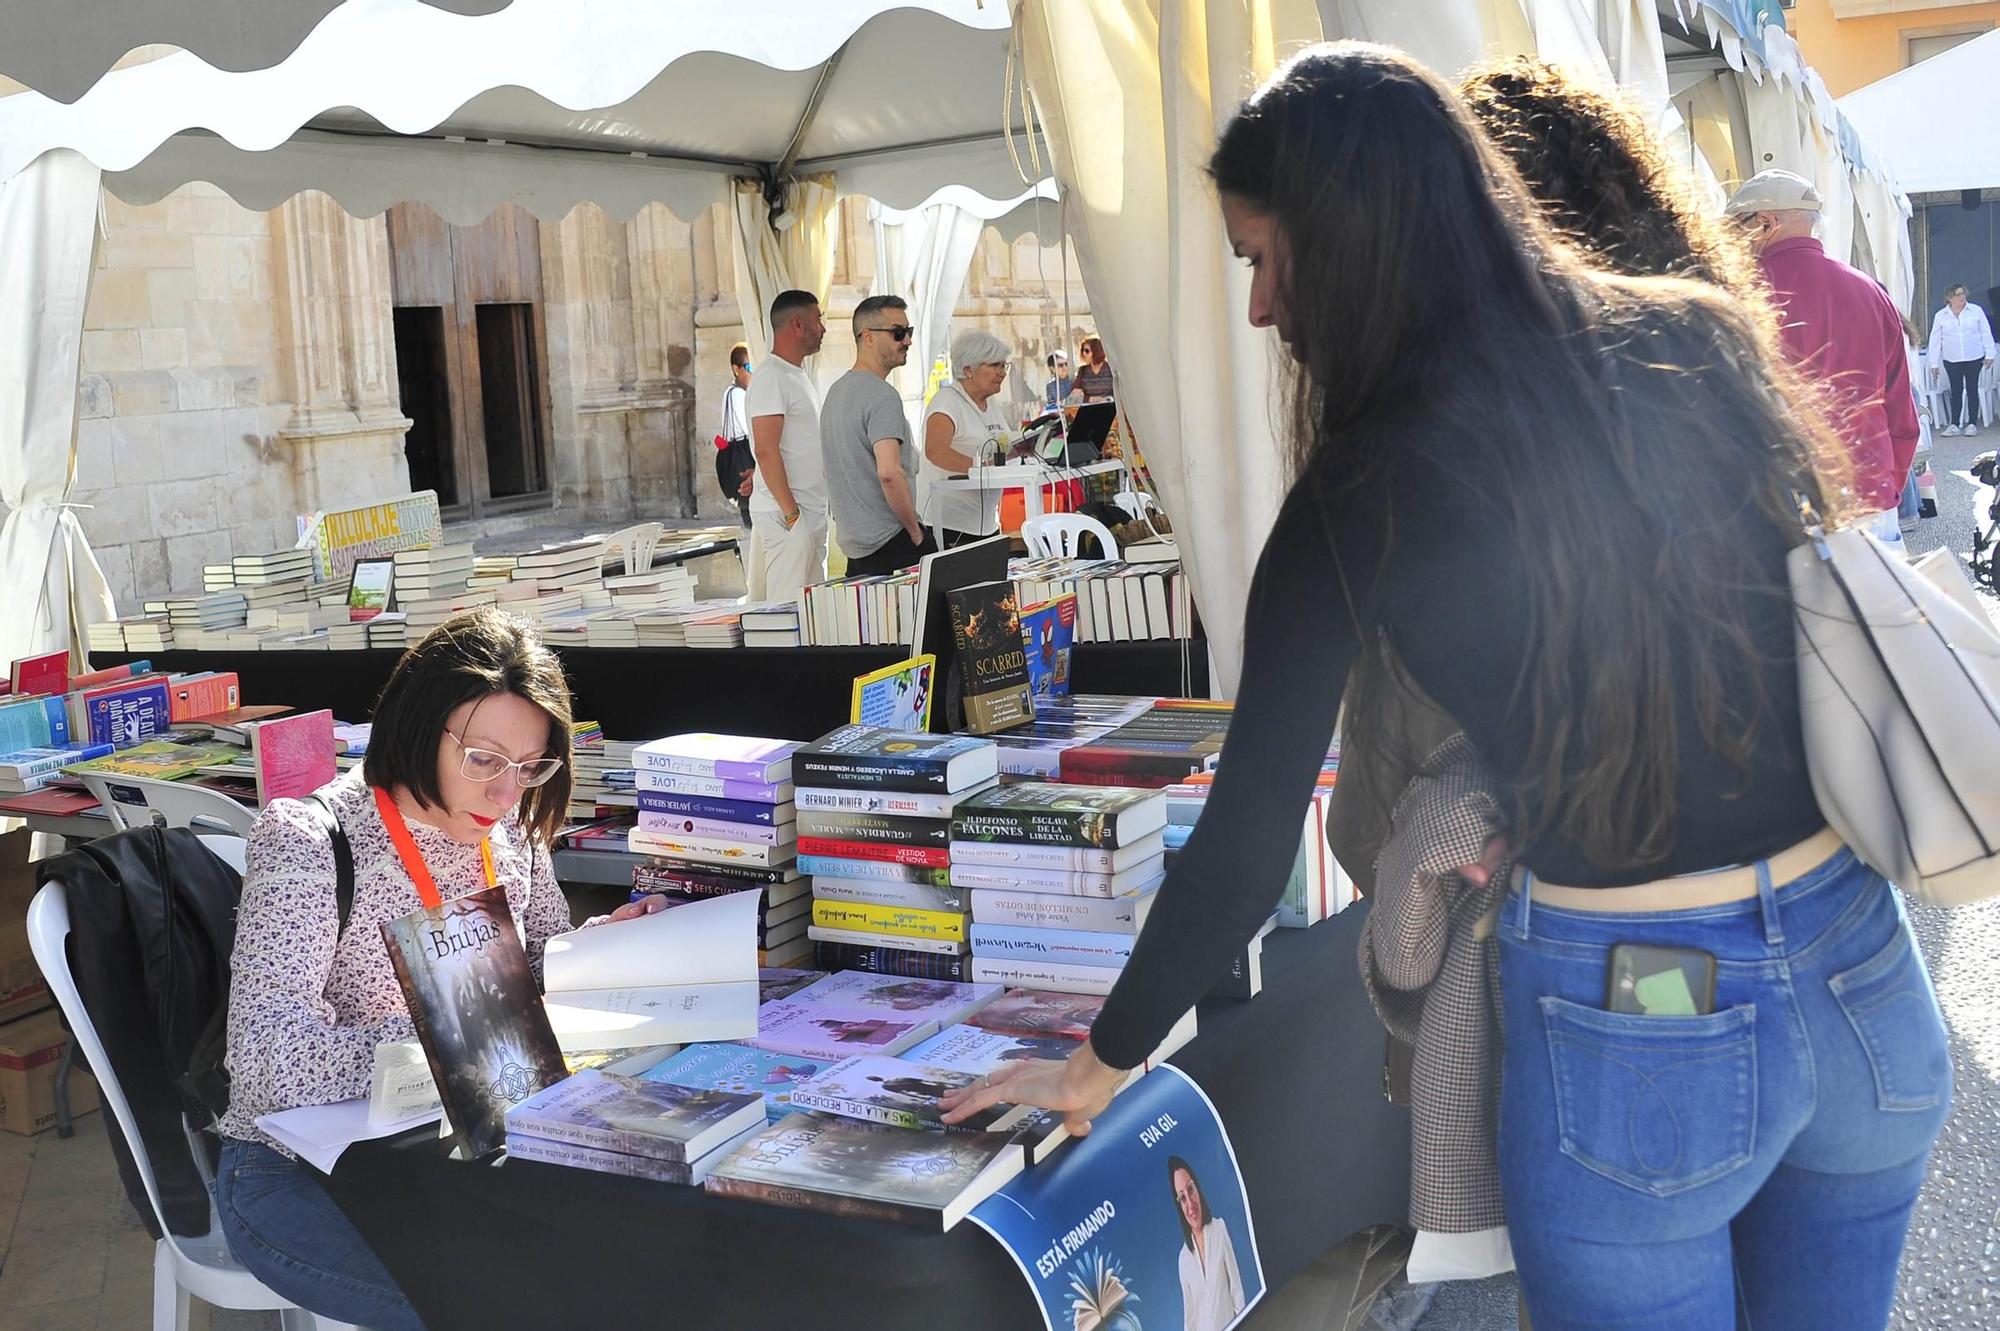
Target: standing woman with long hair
[[1567, 508]]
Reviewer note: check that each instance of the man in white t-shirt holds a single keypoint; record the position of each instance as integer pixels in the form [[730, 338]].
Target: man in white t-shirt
[[788, 494]]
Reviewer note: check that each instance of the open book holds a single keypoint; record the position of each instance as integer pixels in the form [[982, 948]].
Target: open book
[[674, 977]]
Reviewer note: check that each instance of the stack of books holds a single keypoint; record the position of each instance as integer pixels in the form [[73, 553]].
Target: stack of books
[[1170, 741], [205, 614], [278, 566], [148, 633], [613, 628], [217, 577], [875, 810], [350, 636], [771, 624], [1034, 751], [423, 612], [740, 1068], [491, 570], [662, 589], [854, 1013], [432, 572], [617, 1124], [878, 610], [1061, 879], [593, 761], [568, 565], [263, 601], [389, 630], [1318, 889], [722, 628], [716, 802], [782, 912]]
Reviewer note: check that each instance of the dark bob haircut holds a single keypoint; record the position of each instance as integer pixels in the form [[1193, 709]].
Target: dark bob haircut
[[480, 653]]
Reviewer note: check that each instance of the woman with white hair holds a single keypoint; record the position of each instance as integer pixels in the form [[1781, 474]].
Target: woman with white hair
[[964, 426]]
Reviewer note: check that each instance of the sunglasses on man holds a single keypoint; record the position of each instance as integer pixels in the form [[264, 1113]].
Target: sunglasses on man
[[901, 332]]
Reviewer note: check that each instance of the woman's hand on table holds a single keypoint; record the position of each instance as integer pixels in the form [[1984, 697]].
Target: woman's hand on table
[[651, 904], [1078, 1087]]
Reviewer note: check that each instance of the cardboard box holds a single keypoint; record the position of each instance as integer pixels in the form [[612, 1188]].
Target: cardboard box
[[30, 1051], [21, 988]]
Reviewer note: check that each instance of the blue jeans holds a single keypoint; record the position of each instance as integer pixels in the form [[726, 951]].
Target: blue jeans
[[286, 1231], [1758, 1162]]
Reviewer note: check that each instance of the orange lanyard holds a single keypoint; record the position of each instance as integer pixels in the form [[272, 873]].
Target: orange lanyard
[[413, 859]]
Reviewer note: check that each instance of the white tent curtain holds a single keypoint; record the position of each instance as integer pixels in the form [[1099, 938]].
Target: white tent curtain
[[1132, 94], [51, 588], [923, 256]]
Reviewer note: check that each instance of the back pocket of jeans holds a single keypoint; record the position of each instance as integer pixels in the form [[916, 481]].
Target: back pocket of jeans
[[1888, 1001], [1658, 1104]]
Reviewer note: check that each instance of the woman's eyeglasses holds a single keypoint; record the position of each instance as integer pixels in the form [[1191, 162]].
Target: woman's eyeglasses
[[486, 765]]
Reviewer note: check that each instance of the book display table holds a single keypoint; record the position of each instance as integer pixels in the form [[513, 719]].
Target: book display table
[[1296, 1075], [791, 692]]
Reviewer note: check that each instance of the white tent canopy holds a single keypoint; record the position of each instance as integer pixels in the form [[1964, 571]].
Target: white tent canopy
[[62, 49], [549, 103], [1927, 150]]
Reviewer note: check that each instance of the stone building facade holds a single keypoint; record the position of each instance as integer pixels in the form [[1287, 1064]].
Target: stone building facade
[[240, 369]]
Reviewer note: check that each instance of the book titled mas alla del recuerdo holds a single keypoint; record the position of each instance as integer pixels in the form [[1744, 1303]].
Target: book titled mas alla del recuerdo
[[991, 659], [473, 1000]]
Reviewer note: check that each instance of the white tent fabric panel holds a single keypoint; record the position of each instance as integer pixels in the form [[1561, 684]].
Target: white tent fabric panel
[[62, 50], [903, 94], [1928, 151], [51, 587]]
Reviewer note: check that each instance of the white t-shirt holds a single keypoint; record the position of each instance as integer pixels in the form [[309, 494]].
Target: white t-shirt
[[780, 388], [980, 435]]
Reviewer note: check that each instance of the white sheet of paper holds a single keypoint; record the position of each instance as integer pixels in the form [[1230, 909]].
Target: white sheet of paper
[[704, 942], [586, 1019], [317, 1134]]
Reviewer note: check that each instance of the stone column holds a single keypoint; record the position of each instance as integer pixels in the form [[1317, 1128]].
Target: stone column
[[337, 354], [668, 461]]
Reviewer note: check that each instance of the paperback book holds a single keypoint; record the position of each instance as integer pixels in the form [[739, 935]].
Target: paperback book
[[1076, 947], [1091, 817], [895, 920], [739, 1069], [798, 1026], [891, 961], [900, 1093], [869, 1170], [1028, 1012], [901, 804], [675, 825], [838, 866], [869, 758], [822, 933], [879, 828], [1081, 859], [472, 999], [719, 810], [1139, 879], [1047, 975], [721, 788], [541, 1150], [993, 664], [908, 896], [658, 1119], [1122, 914], [930, 1000], [719, 757], [924, 857]]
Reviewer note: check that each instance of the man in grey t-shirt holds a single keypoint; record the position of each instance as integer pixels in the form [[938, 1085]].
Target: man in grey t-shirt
[[864, 438]]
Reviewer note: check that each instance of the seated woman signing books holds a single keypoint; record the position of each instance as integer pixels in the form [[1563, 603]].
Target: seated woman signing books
[[466, 781]]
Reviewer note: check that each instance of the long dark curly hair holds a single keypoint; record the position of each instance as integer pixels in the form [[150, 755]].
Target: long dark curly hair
[[1588, 157], [1606, 408]]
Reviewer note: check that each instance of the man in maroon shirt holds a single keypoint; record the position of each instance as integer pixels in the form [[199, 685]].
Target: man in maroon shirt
[[1839, 327]]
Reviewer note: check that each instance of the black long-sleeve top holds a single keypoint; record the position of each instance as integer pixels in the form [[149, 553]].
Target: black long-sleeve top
[[1450, 601]]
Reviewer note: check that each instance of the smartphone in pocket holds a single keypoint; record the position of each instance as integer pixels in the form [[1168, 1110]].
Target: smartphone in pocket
[[1652, 981]]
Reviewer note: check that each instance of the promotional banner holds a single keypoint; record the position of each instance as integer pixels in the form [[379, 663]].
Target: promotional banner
[[1140, 1226], [340, 539]]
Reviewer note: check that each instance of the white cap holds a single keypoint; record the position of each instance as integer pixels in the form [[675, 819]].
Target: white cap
[[1773, 192]]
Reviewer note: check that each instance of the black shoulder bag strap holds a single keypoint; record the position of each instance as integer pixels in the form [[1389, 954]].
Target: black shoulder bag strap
[[343, 859]]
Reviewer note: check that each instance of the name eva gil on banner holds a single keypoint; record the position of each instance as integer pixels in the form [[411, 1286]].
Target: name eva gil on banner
[[1140, 1226]]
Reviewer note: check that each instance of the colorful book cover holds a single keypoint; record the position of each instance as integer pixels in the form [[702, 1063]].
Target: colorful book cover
[[903, 804], [889, 920], [718, 757], [477, 1010], [1048, 633], [891, 961], [703, 806], [841, 866], [110, 675], [986, 629], [886, 829], [925, 857], [48, 673], [293, 755], [776, 982], [868, 757], [27, 764], [164, 759], [658, 1119], [1032, 1012], [898, 1092], [870, 1170], [967, 1048], [1166, 1233], [928, 999], [123, 716], [721, 788], [1104, 817], [896, 697], [37, 723], [739, 1069], [196, 698], [795, 1026]]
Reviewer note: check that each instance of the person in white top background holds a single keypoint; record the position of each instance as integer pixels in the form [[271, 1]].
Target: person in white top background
[[1211, 1287], [965, 426], [736, 463], [788, 489], [1961, 346]]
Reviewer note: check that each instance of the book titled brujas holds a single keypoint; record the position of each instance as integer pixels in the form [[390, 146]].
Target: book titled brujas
[[986, 629], [473, 1000]]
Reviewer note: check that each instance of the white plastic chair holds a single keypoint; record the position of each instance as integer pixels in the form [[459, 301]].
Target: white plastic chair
[[1059, 535], [1136, 503], [637, 544], [136, 801], [183, 1268]]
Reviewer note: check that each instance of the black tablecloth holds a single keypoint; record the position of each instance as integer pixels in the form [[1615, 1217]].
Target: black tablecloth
[[637, 692], [1295, 1074]]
